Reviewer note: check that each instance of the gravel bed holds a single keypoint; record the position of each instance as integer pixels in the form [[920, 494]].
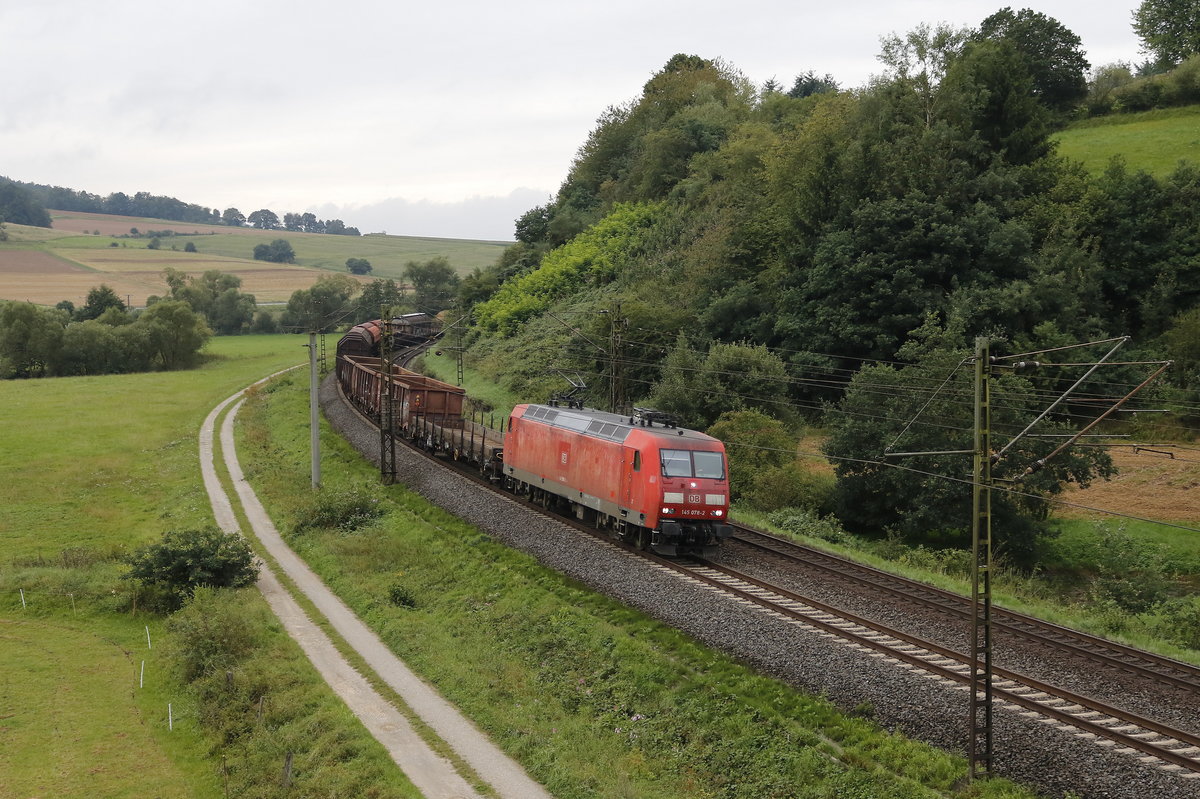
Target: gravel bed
[[1164, 703], [1027, 750]]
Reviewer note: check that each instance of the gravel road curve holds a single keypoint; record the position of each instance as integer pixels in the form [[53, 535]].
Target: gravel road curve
[[434, 775]]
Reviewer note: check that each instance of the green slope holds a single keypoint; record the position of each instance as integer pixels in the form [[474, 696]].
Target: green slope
[[1154, 141]]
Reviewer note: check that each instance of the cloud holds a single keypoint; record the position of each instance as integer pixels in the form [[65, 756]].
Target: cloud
[[487, 218]]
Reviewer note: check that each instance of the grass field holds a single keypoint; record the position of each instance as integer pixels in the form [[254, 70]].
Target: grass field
[[1154, 141], [91, 468], [82, 250]]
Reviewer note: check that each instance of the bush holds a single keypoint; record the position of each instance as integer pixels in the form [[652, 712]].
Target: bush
[[810, 525], [345, 510], [214, 632], [186, 560], [790, 486], [1178, 621], [755, 444], [264, 322], [278, 251]]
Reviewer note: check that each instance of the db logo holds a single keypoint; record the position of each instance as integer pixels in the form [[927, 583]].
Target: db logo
[[694, 499]]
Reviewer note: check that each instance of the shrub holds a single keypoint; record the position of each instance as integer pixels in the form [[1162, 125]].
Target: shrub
[[186, 560], [278, 251], [264, 322], [790, 486], [401, 597], [214, 631], [345, 510], [1178, 621], [803, 523]]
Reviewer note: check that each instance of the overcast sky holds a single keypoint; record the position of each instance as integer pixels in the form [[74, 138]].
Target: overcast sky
[[443, 119]]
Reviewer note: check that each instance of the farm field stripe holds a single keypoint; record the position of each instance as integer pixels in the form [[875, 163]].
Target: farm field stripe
[[432, 774]]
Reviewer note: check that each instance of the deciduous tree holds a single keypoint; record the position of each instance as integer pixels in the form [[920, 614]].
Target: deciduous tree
[[99, 300], [322, 307], [264, 219], [434, 283], [278, 251], [174, 333], [1169, 29], [1052, 53]]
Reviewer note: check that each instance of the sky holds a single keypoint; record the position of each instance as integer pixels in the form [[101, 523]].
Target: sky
[[445, 119]]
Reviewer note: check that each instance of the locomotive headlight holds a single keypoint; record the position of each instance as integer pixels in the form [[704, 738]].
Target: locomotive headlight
[[667, 511], [718, 513], [693, 484]]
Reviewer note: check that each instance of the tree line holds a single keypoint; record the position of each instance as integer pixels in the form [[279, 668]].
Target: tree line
[[817, 256], [51, 342], [26, 203]]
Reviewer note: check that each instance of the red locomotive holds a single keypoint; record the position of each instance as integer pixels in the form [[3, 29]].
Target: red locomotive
[[654, 484]]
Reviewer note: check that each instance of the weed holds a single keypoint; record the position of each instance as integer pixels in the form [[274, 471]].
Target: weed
[[401, 597]]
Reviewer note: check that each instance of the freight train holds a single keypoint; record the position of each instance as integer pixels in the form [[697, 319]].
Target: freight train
[[648, 481]]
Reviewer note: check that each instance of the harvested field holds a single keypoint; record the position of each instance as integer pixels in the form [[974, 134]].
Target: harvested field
[[1150, 484], [18, 262], [108, 225], [46, 279]]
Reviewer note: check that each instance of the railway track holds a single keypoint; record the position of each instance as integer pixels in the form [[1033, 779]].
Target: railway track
[[1178, 750], [1109, 654], [1110, 727]]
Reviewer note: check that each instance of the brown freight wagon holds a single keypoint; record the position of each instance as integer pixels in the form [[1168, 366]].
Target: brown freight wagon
[[417, 399]]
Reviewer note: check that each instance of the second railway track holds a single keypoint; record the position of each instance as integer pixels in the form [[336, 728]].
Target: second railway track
[[1109, 654]]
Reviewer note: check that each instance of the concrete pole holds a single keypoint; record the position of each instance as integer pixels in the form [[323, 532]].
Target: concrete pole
[[314, 419]]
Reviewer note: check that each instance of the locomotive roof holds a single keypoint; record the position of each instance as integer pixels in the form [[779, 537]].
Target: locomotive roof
[[603, 424]]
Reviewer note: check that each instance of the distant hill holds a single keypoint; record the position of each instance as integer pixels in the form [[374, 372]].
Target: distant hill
[[83, 250], [1152, 141]]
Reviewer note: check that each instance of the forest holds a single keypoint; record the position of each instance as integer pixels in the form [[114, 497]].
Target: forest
[[771, 258]]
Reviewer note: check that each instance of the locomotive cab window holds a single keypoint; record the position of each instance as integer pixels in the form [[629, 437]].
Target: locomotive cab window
[[710, 465], [686, 463]]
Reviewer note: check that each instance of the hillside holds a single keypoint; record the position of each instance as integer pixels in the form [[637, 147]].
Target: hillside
[[1153, 141], [82, 250]]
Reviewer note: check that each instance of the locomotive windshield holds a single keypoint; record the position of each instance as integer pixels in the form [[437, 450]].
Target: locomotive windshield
[[688, 463]]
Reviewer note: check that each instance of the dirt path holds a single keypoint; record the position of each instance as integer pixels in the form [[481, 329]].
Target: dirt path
[[433, 774]]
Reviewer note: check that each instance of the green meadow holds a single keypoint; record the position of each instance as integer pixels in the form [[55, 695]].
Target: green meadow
[[388, 254], [1153, 141], [91, 468]]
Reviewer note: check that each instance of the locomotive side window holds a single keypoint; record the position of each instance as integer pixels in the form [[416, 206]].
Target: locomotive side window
[[637, 460]]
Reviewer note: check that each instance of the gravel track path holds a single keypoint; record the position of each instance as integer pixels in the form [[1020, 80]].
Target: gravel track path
[[434, 775], [1028, 750]]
